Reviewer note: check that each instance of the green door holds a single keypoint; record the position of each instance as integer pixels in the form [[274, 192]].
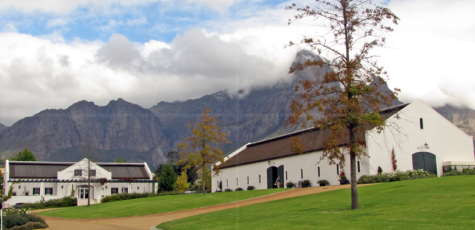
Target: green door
[[426, 161]]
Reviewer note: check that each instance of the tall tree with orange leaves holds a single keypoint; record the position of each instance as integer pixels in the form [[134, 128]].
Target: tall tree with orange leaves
[[201, 150], [349, 97]]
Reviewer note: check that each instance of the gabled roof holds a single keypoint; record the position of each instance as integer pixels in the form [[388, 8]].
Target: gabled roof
[[49, 170], [278, 147]]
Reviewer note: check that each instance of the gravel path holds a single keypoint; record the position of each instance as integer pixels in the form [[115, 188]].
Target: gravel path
[[146, 222]]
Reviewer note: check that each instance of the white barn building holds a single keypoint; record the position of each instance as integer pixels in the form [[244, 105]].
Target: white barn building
[[35, 180], [426, 140]]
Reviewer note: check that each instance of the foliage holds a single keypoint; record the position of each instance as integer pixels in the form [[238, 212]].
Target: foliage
[[126, 196], [380, 170], [228, 190], [72, 191], [179, 167], [118, 160], [395, 176], [437, 203], [201, 149], [465, 171], [324, 182], [26, 155], [207, 178], [30, 226], [306, 182], [10, 192], [250, 187], [342, 175], [19, 217], [168, 178], [238, 189], [350, 95], [393, 160], [53, 203], [182, 182], [290, 184], [168, 202]]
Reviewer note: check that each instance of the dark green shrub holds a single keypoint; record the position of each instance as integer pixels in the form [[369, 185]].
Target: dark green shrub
[[13, 219], [322, 182], [30, 226], [251, 188], [54, 203], [238, 189], [453, 173], [228, 190], [290, 184]]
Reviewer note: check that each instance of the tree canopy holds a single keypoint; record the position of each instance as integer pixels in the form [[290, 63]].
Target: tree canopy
[[26, 155], [201, 150], [168, 178], [349, 97]]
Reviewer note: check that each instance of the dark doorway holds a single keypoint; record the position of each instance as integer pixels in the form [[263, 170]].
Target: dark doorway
[[271, 177], [272, 173], [424, 160]]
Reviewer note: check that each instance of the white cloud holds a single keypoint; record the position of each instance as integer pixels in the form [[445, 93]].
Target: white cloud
[[56, 22], [137, 21], [9, 27], [110, 25]]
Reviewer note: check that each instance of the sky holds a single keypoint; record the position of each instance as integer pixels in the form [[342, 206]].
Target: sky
[[55, 53]]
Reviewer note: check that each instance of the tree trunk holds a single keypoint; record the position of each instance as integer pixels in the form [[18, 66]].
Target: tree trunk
[[88, 182], [354, 184], [203, 180]]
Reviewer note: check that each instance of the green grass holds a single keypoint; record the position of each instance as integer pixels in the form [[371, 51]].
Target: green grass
[[153, 205], [435, 203]]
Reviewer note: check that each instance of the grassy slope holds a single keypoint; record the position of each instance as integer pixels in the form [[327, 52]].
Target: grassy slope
[[436, 203], [152, 205]]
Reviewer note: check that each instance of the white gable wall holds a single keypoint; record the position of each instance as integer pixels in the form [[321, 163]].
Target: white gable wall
[[444, 139], [68, 173]]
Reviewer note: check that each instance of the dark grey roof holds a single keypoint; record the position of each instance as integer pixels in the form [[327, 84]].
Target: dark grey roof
[[49, 170], [44, 170]]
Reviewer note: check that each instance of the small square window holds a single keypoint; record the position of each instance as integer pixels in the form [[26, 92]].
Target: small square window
[[36, 191], [125, 190], [77, 172], [48, 191], [114, 190], [93, 172]]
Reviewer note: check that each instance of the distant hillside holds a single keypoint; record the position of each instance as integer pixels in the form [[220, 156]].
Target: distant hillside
[[2, 127], [117, 129]]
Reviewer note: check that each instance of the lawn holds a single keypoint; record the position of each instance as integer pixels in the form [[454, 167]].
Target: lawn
[[436, 203], [153, 205]]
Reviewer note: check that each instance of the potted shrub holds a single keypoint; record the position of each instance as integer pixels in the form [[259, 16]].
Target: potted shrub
[[343, 180], [323, 182], [305, 184], [250, 187], [238, 189], [290, 184], [228, 190]]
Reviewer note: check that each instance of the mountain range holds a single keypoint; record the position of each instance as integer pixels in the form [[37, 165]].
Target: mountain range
[[125, 130]]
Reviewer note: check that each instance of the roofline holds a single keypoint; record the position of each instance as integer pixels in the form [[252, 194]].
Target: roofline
[[71, 163]]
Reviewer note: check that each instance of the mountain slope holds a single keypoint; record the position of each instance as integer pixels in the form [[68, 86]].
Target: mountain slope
[[117, 129]]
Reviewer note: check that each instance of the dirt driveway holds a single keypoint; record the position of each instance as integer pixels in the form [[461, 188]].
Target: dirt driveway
[[146, 222]]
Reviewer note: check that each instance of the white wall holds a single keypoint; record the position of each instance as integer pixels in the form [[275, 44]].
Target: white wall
[[444, 139], [68, 173], [293, 165]]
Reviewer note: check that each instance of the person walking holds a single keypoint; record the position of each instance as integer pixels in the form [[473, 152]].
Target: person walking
[[278, 182]]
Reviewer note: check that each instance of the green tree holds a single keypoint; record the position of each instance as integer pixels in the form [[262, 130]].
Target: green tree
[[167, 178], [118, 160], [201, 150], [350, 96], [182, 183], [207, 179], [26, 155]]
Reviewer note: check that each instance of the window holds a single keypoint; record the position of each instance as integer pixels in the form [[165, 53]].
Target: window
[[114, 190], [93, 172], [77, 172], [84, 192], [227, 183], [318, 171], [237, 181], [36, 191], [301, 173], [286, 177], [259, 179], [337, 170], [48, 191], [358, 166], [247, 180], [421, 123], [125, 190]]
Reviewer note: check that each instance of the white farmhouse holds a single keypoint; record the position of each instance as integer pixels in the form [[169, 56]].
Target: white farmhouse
[[32, 181], [425, 140]]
